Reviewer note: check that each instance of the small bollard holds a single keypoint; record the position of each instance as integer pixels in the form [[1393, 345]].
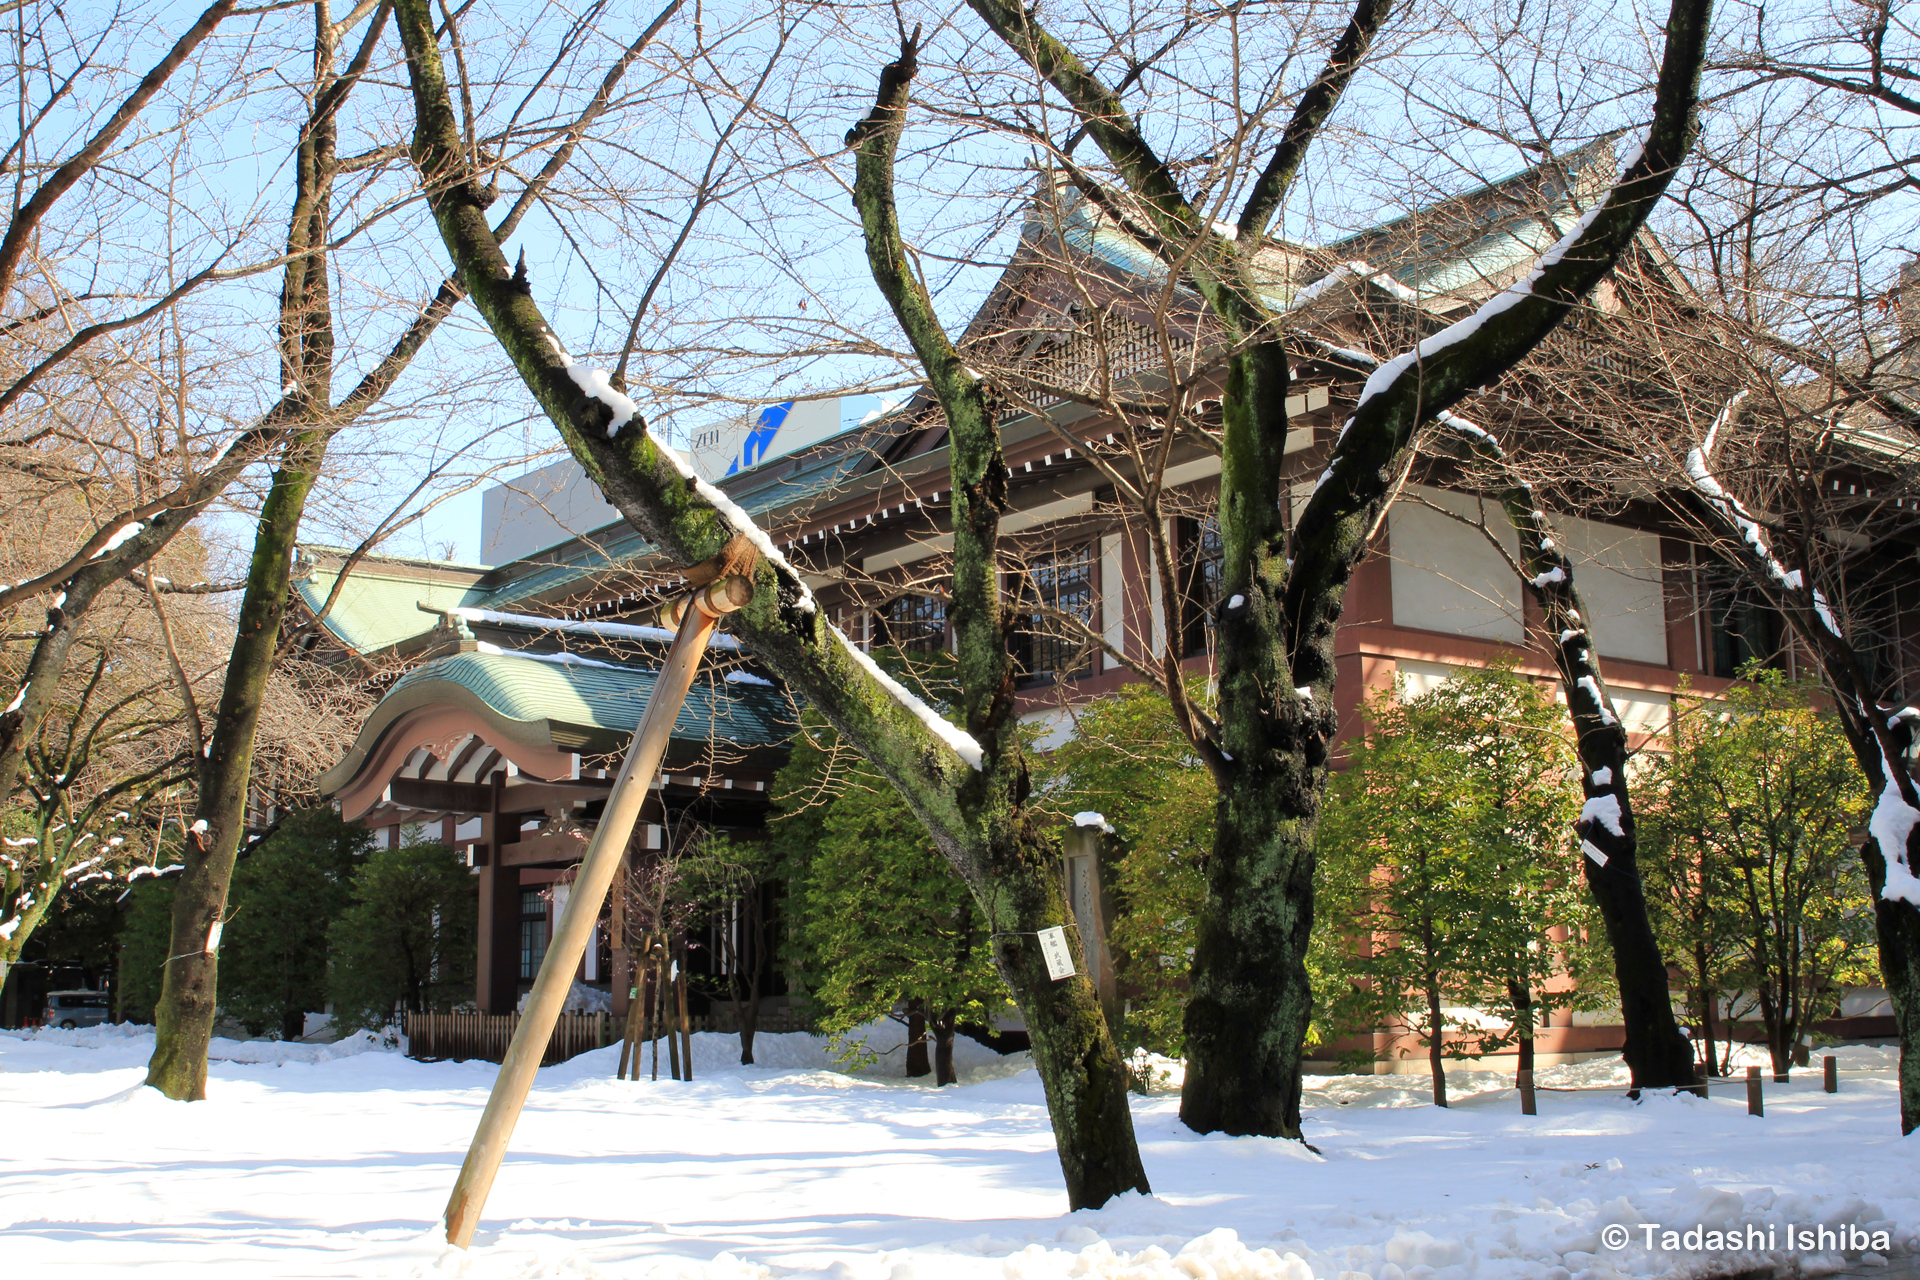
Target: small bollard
[[1755, 1107], [1832, 1073], [1525, 1080]]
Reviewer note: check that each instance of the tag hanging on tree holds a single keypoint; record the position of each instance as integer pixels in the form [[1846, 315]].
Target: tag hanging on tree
[[1053, 945]]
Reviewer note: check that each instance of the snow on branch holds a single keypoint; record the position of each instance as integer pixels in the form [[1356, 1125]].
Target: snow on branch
[[734, 515], [963, 743], [1354, 270], [1461, 330], [599, 630], [1700, 474], [1890, 825]]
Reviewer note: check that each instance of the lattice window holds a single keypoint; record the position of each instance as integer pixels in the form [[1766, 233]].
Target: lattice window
[[1202, 560], [913, 624], [1045, 647]]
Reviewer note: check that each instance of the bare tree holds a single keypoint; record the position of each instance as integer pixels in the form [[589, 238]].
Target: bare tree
[[185, 1012]]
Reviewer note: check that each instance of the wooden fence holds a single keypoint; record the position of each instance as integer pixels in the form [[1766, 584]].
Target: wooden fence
[[485, 1036]]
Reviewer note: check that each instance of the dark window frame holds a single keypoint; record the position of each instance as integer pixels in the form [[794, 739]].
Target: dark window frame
[[1069, 574], [1740, 625], [1201, 559], [534, 911], [911, 623]]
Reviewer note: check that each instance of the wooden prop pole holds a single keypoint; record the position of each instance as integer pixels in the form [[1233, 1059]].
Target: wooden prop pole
[[604, 855]]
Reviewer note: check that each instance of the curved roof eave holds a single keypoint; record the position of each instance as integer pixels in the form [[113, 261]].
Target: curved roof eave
[[534, 734], [545, 705]]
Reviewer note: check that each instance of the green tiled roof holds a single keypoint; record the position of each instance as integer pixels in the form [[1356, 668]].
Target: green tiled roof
[[1489, 261], [603, 697], [618, 545], [590, 707], [376, 608]]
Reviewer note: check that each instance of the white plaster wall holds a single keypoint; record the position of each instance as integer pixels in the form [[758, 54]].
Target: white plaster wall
[[1619, 576], [1421, 678], [1113, 599], [1446, 576], [1057, 727]]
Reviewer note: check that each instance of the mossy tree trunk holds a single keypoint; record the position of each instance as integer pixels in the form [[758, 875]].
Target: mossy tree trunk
[[305, 421], [185, 1014], [108, 557], [1657, 1053], [1247, 1019], [974, 814], [1881, 741]]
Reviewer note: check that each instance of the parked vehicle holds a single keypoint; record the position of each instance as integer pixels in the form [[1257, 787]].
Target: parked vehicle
[[70, 1009]]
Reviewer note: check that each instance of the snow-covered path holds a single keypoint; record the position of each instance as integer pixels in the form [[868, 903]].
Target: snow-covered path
[[342, 1167]]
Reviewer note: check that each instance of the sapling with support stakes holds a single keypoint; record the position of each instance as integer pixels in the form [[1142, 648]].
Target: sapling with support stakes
[[697, 616]]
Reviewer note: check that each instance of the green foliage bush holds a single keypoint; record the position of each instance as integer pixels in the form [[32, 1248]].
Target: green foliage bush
[[876, 917], [1449, 871], [406, 941], [286, 895], [1129, 763], [1749, 856], [144, 934]]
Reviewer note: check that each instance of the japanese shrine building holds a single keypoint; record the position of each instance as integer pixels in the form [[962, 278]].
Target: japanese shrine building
[[518, 684]]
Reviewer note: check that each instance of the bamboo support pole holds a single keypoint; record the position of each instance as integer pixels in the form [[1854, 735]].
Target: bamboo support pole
[[605, 852], [630, 1044], [650, 1029]]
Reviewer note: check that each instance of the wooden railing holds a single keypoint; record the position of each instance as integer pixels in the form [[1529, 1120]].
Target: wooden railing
[[485, 1036]]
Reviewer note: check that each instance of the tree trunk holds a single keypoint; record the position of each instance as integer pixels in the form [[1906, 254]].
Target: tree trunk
[[917, 1040], [1246, 1020], [1522, 996], [1880, 746], [747, 969], [685, 1023], [1708, 999], [1779, 1046], [1436, 1027], [185, 1012], [1657, 1054], [669, 991], [749, 1024], [943, 1029], [1080, 1067], [184, 1015], [631, 1041]]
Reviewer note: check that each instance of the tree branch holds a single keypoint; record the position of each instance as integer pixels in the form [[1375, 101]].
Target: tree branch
[[27, 220]]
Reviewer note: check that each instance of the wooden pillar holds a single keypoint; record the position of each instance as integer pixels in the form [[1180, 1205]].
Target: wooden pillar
[[496, 970], [1090, 901]]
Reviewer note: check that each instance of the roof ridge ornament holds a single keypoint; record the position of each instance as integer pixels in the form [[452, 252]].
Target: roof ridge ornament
[[450, 621]]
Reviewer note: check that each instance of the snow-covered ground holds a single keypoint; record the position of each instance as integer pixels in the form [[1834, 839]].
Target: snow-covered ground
[[336, 1161]]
